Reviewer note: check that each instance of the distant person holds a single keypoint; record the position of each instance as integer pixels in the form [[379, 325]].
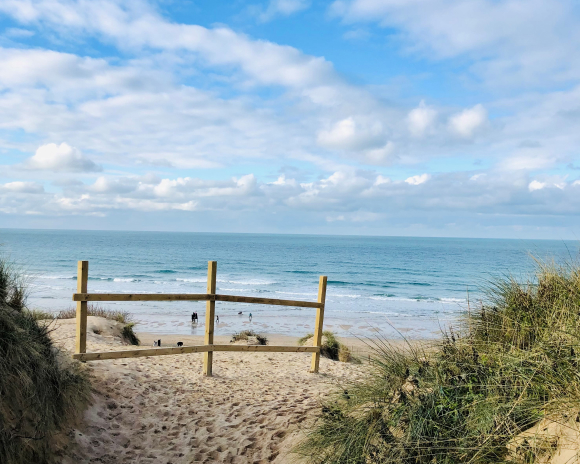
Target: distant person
[[250, 317], [217, 319], [192, 317], [155, 343]]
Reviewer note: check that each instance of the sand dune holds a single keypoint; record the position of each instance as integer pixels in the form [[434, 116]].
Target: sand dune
[[162, 409]]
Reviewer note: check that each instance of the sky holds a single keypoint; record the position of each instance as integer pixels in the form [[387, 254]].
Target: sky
[[456, 118]]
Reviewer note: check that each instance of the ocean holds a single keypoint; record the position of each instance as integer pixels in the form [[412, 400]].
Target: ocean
[[389, 285]]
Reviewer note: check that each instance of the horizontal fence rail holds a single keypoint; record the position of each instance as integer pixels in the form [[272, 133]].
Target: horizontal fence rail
[[191, 297], [82, 297], [193, 349]]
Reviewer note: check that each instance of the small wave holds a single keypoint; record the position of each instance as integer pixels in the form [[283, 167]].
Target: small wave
[[347, 296], [295, 293], [247, 282], [165, 271], [338, 282], [54, 277], [120, 279], [193, 280]]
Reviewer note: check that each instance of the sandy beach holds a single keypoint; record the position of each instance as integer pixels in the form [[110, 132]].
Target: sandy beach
[[163, 410]]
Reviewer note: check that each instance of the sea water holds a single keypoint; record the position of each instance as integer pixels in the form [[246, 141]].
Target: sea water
[[388, 285]]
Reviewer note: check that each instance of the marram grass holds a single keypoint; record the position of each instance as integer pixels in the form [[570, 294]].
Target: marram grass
[[513, 361], [41, 391]]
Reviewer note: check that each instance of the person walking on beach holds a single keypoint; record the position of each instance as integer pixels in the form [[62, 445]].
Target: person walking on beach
[[217, 319], [193, 317], [250, 317]]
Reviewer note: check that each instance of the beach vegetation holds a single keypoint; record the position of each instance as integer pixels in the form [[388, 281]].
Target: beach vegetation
[[128, 335], [472, 396], [42, 391], [330, 348], [248, 335], [124, 317], [39, 314]]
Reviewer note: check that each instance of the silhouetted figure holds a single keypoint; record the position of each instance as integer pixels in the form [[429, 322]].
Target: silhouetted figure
[[179, 343], [250, 317], [217, 319]]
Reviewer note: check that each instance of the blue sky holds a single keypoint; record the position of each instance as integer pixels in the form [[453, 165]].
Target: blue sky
[[383, 117]]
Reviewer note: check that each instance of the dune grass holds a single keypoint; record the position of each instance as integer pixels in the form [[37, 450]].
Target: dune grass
[[331, 347], [129, 336], [124, 317], [246, 334], [512, 362], [41, 391]]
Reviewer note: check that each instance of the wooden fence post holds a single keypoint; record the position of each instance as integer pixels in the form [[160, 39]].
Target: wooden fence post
[[317, 341], [209, 317], [82, 279]]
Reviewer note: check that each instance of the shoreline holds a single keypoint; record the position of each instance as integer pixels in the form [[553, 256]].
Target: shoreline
[[357, 346]]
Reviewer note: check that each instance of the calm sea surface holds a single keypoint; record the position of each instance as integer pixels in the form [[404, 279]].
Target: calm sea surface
[[414, 285]]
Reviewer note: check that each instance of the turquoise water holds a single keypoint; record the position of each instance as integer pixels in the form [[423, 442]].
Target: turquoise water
[[414, 285]]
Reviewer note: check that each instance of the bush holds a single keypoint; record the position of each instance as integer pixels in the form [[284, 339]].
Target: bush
[[331, 348], [129, 336], [41, 391], [512, 363], [246, 334]]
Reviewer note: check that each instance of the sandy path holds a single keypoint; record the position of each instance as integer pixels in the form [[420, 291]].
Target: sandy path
[[162, 410]]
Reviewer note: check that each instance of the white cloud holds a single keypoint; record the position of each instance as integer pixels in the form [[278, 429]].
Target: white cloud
[[421, 119], [528, 159], [536, 185], [553, 182], [136, 25], [23, 187], [16, 32], [418, 179], [382, 155], [468, 121], [515, 42], [347, 134], [282, 8], [63, 157]]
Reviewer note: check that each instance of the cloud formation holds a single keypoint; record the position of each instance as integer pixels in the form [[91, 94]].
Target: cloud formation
[[60, 158], [160, 116]]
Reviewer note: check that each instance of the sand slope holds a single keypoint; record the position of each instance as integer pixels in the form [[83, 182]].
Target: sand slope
[[162, 410]]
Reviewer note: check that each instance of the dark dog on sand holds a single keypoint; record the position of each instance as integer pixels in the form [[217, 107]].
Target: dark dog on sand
[[179, 343]]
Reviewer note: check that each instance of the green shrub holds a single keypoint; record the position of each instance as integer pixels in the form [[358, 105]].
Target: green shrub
[[513, 362], [129, 336], [246, 334], [331, 348], [42, 391]]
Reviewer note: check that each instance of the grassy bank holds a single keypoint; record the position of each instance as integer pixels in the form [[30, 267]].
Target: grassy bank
[[512, 362], [41, 391]]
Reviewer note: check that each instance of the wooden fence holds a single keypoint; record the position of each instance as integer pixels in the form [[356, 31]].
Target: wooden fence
[[82, 297]]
